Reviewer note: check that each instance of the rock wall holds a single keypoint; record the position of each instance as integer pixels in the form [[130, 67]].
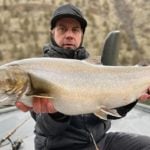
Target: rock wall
[[24, 27]]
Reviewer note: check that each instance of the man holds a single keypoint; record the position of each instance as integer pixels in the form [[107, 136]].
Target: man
[[56, 131]]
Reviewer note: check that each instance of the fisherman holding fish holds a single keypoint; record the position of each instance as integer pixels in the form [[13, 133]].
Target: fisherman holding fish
[[56, 131]]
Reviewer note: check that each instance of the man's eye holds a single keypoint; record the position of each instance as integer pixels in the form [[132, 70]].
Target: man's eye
[[76, 30], [62, 29]]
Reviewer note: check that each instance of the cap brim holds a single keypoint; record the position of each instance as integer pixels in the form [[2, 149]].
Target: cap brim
[[82, 21]]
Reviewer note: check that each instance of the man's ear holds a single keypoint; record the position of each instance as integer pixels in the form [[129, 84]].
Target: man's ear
[[51, 33], [82, 40]]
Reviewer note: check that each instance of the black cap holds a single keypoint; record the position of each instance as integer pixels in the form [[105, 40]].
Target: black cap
[[68, 10]]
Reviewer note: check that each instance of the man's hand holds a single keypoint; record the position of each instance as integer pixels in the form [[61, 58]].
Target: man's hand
[[39, 105], [145, 96]]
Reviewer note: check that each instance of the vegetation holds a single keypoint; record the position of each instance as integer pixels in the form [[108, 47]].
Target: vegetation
[[24, 27]]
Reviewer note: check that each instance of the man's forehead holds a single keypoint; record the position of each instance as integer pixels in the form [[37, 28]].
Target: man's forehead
[[65, 21]]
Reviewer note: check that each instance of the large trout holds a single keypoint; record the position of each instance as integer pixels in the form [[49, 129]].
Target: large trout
[[74, 86]]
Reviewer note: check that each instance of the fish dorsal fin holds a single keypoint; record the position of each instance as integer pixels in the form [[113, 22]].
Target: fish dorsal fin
[[93, 59], [103, 112]]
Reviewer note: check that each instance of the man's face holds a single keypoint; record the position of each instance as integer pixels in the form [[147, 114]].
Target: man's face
[[67, 33]]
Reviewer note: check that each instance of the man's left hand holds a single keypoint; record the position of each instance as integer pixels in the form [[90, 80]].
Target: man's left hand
[[39, 105], [145, 96]]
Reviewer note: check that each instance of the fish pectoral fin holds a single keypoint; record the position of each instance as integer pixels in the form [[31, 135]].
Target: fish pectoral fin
[[101, 115], [112, 112], [28, 100], [42, 97], [103, 112]]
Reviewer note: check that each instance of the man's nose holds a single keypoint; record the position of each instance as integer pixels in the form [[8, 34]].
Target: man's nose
[[69, 34]]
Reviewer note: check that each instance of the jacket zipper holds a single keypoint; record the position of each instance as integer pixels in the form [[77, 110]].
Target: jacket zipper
[[90, 133]]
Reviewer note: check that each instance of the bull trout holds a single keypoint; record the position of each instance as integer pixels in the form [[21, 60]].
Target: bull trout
[[74, 86]]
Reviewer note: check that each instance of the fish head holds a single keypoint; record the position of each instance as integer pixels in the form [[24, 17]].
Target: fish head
[[13, 83]]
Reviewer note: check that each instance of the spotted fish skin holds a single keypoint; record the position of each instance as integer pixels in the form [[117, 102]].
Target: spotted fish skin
[[74, 86]]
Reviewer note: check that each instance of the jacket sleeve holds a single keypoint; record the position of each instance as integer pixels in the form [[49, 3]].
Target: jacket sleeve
[[51, 124]]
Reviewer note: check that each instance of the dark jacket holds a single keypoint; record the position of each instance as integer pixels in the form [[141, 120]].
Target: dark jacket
[[60, 132]]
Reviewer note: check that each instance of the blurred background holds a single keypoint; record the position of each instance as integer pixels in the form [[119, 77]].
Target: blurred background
[[24, 27]]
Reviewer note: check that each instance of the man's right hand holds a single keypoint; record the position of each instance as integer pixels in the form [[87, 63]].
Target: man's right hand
[[39, 105]]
